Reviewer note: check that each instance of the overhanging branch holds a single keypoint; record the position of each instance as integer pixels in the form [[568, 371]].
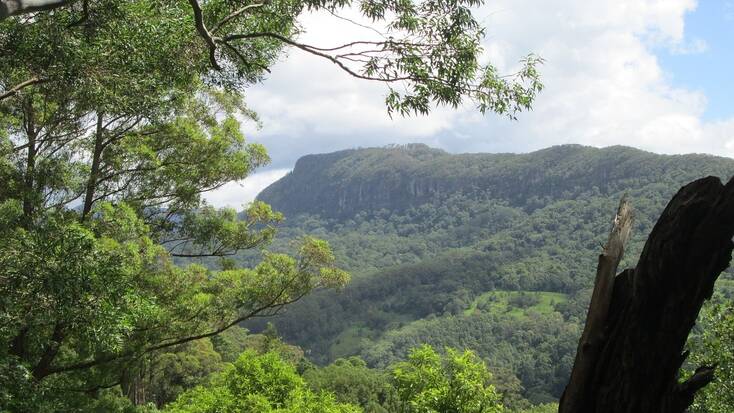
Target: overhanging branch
[[317, 52], [204, 33], [20, 86], [234, 15]]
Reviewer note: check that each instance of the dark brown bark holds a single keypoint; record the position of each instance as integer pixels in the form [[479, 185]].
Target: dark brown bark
[[41, 369], [632, 366]]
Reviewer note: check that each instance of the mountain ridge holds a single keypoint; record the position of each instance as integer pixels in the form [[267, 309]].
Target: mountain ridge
[[343, 183]]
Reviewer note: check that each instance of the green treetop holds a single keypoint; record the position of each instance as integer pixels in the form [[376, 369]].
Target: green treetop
[[258, 384], [456, 382]]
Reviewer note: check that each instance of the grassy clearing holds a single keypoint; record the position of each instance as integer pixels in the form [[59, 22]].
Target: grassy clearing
[[516, 303]]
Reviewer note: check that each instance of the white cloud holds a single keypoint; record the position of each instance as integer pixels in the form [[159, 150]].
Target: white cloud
[[604, 86], [240, 193]]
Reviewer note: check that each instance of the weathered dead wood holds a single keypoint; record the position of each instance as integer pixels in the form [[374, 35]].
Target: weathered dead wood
[[631, 349], [592, 337]]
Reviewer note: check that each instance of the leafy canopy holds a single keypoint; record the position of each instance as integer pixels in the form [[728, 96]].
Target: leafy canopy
[[258, 384], [103, 164], [714, 346], [427, 52], [456, 382]]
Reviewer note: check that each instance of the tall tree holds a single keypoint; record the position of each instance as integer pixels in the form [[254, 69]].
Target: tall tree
[[103, 165]]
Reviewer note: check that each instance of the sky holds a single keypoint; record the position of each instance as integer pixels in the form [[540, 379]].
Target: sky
[[652, 74]]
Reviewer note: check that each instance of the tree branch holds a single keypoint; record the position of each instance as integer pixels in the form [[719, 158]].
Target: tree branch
[[592, 337], [234, 15], [112, 357], [243, 58], [17, 88], [317, 52], [204, 33]]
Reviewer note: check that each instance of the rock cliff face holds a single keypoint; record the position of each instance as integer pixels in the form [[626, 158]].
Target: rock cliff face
[[343, 183]]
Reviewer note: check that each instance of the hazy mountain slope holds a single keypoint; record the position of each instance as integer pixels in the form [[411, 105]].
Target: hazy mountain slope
[[428, 233]]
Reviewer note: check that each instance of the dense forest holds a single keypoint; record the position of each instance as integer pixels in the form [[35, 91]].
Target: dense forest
[[490, 252]]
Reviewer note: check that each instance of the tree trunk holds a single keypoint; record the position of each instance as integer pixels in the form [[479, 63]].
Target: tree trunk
[[94, 171], [30, 195], [631, 349]]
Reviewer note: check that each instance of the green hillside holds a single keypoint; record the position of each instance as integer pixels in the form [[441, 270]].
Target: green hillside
[[492, 252]]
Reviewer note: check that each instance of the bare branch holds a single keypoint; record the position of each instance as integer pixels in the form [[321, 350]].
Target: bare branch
[[318, 52], [235, 14], [17, 88], [364, 26]]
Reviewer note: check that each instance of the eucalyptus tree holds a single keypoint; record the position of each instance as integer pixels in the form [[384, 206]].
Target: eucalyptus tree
[[103, 164], [427, 52], [115, 116]]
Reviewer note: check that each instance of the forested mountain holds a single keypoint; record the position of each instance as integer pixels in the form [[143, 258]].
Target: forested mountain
[[491, 252]]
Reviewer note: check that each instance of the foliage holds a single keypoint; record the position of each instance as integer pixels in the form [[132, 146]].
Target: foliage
[[426, 382], [115, 117], [427, 52], [351, 381], [103, 165], [258, 384], [457, 382], [103, 291], [542, 408], [518, 303], [714, 345]]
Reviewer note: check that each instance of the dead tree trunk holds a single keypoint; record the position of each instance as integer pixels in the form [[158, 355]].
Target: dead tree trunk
[[632, 345]]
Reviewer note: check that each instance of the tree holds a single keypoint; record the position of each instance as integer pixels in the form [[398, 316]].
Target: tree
[[427, 54], [258, 384], [631, 350], [714, 346], [161, 377], [456, 382], [351, 381], [542, 408], [104, 164]]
